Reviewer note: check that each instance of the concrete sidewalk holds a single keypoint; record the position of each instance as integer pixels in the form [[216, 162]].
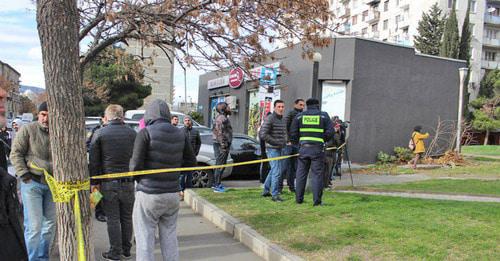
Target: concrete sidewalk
[[198, 239]]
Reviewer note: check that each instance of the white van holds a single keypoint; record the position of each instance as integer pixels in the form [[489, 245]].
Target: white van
[[139, 114], [27, 117]]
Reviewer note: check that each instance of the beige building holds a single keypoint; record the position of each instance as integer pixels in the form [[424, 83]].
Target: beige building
[[9, 79], [158, 70], [396, 21]]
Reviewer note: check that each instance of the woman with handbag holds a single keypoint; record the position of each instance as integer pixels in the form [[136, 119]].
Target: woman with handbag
[[417, 145]]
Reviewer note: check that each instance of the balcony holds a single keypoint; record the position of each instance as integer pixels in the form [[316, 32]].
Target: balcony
[[491, 42], [492, 19], [373, 17], [404, 4], [343, 12], [403, 23], [490, 65], [371, 2]]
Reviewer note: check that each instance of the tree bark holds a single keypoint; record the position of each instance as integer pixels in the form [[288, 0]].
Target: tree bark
[[58, 29], [486, 137]]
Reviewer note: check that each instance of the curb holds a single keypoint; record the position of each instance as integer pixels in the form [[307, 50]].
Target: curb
[[260, 245]]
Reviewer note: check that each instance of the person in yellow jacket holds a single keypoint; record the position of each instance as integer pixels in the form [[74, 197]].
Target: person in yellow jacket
[[418, 141]]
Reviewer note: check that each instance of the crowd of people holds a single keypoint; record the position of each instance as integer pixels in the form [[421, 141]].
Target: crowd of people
[[143, 205]]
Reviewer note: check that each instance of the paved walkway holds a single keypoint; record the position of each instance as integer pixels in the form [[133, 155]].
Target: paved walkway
[[426, 196], [198, 238]]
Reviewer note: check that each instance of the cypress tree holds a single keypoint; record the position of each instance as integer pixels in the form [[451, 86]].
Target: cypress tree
[[451, 40], [430, 31], [465, 39]]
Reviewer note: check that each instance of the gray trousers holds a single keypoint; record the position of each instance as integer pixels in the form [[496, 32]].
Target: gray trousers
[[152, 211]]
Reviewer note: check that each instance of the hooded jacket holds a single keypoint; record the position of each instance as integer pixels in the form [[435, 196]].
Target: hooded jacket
[[222, 132], [159, 146], [32, 145]]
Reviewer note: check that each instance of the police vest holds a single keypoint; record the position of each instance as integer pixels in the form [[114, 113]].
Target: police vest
[[311, 129]]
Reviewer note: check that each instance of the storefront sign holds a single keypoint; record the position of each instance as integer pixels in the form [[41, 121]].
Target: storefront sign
[[218, 82], [256, 73], [235, 77]]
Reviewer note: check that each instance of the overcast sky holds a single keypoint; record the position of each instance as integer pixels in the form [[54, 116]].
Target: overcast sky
[[20, 48]]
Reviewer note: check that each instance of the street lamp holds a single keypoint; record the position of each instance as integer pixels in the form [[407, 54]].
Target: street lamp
[[462, 73], [316, 59]]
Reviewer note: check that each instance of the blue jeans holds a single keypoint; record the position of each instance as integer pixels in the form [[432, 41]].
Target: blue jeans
[[39, 219], [186, 180], [273, 178]]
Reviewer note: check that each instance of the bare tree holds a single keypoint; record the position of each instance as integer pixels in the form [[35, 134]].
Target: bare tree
[[201, 33]]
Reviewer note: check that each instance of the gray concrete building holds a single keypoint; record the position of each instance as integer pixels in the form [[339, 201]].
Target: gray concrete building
[[9, 81], [158, 70], [383, 89]]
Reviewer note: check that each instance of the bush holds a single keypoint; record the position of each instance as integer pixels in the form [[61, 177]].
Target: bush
[[198, 117], [403, 154], [384, 158]]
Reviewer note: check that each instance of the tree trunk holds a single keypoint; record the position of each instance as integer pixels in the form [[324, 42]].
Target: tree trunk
[[58, 28], [486, 137]]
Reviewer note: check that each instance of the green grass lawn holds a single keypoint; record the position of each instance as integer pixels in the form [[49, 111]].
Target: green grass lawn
[[361, 227], [476, 166], [469, 186], [489, 150]]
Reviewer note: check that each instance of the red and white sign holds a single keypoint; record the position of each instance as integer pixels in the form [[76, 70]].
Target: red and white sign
[[236, 77]]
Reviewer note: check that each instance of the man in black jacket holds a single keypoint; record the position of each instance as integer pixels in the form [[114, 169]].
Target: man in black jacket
[[110, 152], [12, 246], [290, 165], [195, 139], [273, 132], [158, 146]]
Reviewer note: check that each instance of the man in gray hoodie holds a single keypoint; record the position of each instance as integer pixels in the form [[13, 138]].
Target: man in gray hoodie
[[158, 146]]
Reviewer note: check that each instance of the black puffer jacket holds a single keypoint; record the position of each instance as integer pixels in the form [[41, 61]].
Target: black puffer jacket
[[159, 146], [194, 138], [111, 149], [273, 131]]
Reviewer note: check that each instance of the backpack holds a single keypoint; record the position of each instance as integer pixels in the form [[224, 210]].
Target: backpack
[[411, 143]]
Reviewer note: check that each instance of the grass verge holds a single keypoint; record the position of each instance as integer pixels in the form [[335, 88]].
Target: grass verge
[[362, 227], [489, 150], [469, 186]]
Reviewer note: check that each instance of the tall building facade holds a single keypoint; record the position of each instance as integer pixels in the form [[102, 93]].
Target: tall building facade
[[9, 81], [396, 21], [158, 70]]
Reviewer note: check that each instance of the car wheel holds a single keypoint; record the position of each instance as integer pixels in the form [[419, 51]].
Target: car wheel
[[201, 178]]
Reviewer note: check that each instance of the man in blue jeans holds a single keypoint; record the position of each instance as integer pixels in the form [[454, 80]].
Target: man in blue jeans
[[290, 164], [273, 132], [32, 146]]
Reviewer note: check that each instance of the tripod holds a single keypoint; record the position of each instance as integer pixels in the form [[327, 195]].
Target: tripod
[[336, 169]]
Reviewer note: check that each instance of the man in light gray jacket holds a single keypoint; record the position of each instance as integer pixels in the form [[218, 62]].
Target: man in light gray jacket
[[32, 146], [274, 133]]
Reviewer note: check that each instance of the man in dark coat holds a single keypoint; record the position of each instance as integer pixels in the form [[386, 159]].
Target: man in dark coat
[[12, 246]]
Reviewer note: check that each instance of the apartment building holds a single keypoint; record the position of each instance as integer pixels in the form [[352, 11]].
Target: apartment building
[[396, 21], [9, 81]]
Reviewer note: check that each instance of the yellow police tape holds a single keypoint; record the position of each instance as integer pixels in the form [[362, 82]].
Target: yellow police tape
[[157, 171], [62, 192]]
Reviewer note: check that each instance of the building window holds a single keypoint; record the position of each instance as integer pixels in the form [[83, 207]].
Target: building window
[[386, 24], [364, 32], [398, 18], [490, 56], [491, 33], [375, 27], [471, 28], [473, 6], [450, 3], [386, 6], [365, 14], [354, 20]]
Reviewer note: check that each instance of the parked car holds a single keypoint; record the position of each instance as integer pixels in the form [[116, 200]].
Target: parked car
[[243, 148], [206, 157]]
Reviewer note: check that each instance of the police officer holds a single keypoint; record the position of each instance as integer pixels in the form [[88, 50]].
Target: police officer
[[311, 129]]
